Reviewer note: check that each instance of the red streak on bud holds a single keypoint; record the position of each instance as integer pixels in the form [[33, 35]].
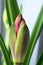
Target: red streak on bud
[[18, 23]]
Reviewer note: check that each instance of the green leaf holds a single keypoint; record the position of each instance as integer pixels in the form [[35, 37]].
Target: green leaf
[[12, 10], [8, 15], [40, 61], [5, 52], [35, 34]]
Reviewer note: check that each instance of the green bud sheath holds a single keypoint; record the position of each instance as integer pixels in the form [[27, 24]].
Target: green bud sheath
[[21, 43], [12, 39]]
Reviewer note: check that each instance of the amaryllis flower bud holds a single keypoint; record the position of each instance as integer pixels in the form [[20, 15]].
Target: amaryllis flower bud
[[19, 39]]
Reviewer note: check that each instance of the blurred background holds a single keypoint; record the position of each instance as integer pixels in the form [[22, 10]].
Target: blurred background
[[30, 11]]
